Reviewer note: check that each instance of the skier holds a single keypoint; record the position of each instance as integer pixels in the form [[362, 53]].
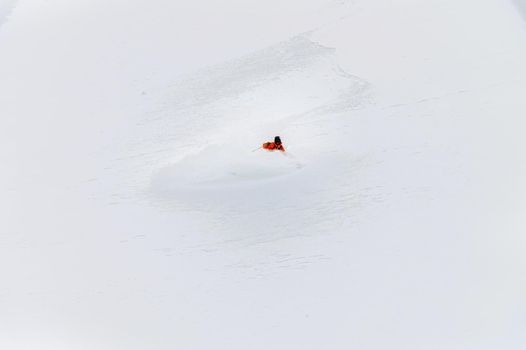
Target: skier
[[276, 145]]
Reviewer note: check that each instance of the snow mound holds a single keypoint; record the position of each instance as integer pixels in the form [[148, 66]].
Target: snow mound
[[224, 166]]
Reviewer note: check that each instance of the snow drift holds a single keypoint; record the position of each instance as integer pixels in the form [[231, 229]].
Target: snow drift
[[221, 166]]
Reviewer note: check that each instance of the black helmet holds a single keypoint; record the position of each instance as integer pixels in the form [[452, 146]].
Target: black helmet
[[277, 140]]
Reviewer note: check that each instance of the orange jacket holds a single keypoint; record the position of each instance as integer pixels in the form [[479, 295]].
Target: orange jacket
[[271, 146]]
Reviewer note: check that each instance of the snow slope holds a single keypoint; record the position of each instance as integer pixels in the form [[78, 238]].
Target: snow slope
[[521, 4], [6, 7], [136, 216]]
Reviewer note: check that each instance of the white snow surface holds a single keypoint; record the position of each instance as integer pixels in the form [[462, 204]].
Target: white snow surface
[[137, 214], [6, 6]]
